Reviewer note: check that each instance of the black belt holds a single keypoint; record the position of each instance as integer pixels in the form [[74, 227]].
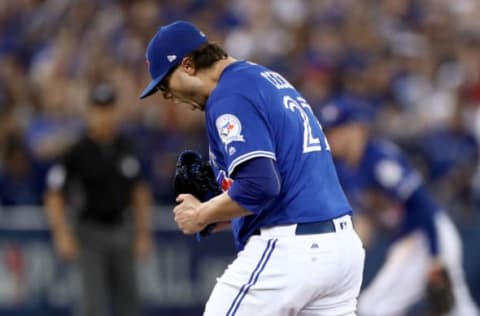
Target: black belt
[[312, 228]]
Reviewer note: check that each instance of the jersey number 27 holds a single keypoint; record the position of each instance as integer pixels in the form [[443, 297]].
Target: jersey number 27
[[310, 142]]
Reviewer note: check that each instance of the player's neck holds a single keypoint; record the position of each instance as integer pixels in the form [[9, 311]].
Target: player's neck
[[356, 148], [217, 70], [353, 156], [102, 137]]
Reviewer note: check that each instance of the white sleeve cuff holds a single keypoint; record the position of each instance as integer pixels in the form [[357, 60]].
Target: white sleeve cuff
[[253, 154]]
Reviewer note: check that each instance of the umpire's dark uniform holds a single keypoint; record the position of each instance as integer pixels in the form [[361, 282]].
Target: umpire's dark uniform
[[99, 178], [105, 174]]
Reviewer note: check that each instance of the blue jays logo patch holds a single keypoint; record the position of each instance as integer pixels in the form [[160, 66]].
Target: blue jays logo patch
[[229, 129]]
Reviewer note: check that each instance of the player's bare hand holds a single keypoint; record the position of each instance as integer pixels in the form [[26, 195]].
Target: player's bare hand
[[66, 245], [436, 266], [186, 214]]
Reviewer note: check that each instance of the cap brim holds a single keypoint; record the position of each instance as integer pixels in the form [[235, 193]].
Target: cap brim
[[151, 88]]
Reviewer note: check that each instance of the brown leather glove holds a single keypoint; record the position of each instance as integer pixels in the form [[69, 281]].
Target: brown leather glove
[[439, 292]]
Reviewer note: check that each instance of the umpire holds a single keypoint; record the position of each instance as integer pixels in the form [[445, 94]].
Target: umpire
[[99, 178]]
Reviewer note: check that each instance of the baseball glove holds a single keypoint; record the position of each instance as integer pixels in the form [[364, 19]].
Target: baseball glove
[[194, 175], [439, 293]]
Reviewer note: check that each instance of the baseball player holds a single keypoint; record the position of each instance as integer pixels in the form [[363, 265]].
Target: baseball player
[[372, 170], [298, 252]]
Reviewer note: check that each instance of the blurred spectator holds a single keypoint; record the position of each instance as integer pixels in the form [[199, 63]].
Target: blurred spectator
[[21, 182], [450, 156], [55, 128], [100, 178], [407, 60]]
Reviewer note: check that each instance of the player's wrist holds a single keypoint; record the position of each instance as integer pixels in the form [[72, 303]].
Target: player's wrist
[[202, 215], [142, 231], [60, 228], [211, 211], [436, 263], [143, 226]]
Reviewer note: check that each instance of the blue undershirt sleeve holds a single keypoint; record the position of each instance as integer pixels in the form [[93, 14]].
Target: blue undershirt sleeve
[[420, 212], [256, 182]]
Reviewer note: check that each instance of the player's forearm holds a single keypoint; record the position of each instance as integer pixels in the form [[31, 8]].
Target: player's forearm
[[55, 210], [142, 203], [256, 182], [220, 209]]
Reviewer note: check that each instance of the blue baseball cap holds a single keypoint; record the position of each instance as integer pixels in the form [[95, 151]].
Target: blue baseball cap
[[167, 48], [342, 111]]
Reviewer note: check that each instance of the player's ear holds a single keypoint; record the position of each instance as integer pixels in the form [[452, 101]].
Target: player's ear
[[188, 66]]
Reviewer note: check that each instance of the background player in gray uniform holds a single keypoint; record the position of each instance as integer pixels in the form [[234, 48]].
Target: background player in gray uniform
[[298, 252], [377, 177]]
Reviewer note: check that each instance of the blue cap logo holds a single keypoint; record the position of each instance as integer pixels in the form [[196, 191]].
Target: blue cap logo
[[167, 48]]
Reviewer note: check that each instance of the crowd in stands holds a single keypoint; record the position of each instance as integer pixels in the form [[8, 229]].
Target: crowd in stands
[[413, 65]]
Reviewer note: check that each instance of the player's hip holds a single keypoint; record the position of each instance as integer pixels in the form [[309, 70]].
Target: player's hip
[[338, 224], [297, 247], [301, 269]]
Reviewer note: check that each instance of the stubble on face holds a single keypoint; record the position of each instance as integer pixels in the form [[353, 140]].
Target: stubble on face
[[192, 99], [188, 91]]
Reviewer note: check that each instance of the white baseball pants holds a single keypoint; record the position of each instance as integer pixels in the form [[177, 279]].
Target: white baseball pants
[[283, 274], [401, 281]]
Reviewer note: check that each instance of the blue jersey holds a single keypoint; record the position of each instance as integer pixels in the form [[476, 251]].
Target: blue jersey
[[254, 112], [383, 169], [463, 151]]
